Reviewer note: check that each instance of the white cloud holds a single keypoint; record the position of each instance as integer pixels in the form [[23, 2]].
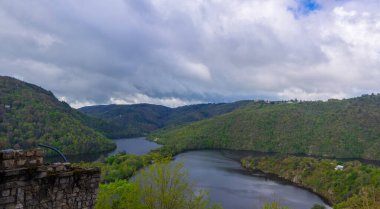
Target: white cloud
[[295, 93], [77, 104], [141, 98], [194, 69], [203, 50]]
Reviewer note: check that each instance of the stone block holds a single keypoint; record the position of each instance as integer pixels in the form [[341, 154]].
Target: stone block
[[19, 206], [66, 174], [64, 180], [60, 195], [29, 153], [20, 162], [40, 160], [28, 196], [41, 175], [20, 195], [13, 191], [6, 193], [7, 200], [19, 154], [22, 183], [39, 152], [14, 172], [10, 206], [32, 162], [8, 164], [60, 168], [7, 154]]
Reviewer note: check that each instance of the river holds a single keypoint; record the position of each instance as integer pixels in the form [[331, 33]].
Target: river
[[220, 173], [136, 146], [232, 186]]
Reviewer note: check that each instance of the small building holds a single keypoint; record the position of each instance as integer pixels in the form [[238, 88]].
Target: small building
[[339, 167]]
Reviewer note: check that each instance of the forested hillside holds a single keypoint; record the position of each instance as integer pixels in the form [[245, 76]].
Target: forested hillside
[[128, 120], [348, 128], [142, 119], [31, 115], [355, 186]]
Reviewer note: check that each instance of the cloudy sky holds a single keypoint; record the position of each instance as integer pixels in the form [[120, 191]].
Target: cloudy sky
[[175, 52]]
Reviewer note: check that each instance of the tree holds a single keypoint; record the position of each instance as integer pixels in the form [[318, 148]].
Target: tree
[[159, 186], [166, 186], [118, 195], [318, 206], [273, 205]]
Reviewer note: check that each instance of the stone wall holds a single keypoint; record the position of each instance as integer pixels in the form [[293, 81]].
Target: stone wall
[[25, 182]]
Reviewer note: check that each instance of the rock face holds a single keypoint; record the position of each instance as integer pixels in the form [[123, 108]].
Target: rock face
[[25, 182]]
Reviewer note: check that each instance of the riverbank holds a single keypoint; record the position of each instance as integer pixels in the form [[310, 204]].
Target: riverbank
[[293, 172], [173, 149], [278, 178], [218, 172], [233, 186], [356, 186]]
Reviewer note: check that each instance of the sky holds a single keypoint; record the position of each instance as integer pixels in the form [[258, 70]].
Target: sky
[[175, 53]]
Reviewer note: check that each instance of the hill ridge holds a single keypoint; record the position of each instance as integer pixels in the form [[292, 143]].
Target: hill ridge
[[347, 128], [30, 114]]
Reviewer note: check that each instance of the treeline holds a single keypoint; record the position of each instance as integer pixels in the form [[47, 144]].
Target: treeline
[[355, 186], [337, 128], [30, 115], [142, 119], [124, 166]]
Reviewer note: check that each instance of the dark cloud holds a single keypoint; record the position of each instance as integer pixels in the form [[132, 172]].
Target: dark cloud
[[97, 52]]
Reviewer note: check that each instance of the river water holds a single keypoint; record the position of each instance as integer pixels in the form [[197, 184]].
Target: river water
[[136, 146], [220, 173], [232, 186]]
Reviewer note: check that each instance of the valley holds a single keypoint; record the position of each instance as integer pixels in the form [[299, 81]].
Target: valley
[[247, 153]]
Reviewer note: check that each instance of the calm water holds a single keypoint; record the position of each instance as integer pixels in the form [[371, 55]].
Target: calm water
[[220, 173], [229, 184], [136, 146]]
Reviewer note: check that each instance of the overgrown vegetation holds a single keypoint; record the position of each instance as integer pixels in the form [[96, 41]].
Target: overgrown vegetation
[[124, 166], [274, 205], [161, 185], [31, 115], [356, 186], [337, 128]]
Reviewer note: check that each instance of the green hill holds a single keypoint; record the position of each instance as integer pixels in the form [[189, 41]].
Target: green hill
[[355, 186], [142, 119], [128, 120], [347, 128], [31, 115]]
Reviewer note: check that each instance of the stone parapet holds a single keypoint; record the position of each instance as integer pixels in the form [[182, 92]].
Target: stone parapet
[[33, 185], [11, 159]]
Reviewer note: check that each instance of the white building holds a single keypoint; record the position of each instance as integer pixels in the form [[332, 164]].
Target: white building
[[339, 167]]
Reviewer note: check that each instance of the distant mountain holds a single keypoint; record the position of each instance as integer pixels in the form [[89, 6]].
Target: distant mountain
[[128, 120], [142, 119], [31, 115], [348, 128]]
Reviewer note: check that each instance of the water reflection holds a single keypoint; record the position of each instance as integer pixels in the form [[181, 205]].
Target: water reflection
[[136, 146], [232, 186]]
